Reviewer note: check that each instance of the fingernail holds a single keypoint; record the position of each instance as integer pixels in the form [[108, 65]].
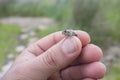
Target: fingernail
[[69, 45]]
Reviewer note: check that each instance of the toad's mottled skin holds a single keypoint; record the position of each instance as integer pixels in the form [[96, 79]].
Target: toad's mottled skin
[[69, 32]]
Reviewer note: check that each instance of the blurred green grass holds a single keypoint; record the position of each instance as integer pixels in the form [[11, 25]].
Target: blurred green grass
[[8, 40], [47, 31], [60, 10], [114, 72]]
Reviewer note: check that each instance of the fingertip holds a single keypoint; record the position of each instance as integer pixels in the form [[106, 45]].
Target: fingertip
[[98, 71], [98, 50], [102, 69], [90, 53], [95, 70], [84, 37], [72, 43]]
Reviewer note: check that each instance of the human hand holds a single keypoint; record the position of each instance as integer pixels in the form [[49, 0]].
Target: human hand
[[56, 57]]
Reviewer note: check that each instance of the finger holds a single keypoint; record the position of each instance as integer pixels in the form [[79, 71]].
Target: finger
[[83, 36], [58, 56], [50, 40], [90, 53], [93, 70]]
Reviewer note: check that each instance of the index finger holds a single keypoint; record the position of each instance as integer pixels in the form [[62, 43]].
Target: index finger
[[45, 43]]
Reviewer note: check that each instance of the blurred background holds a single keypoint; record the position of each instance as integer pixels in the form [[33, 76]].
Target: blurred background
[[22, 22]]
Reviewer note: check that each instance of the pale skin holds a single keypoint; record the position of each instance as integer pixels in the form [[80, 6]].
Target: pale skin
[[56, 57]]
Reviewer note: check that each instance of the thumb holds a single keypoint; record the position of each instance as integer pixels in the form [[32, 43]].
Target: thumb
[[59, 56]]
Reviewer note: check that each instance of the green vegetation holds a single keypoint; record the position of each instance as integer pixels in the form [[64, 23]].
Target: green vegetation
[[47, 31], [114, 72], [59, 9], [8, 40]]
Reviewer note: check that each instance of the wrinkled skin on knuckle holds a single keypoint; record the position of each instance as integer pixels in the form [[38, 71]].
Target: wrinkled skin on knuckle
[[50, 60]]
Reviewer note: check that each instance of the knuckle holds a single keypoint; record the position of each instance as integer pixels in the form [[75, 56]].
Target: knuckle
[[50, 59]]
